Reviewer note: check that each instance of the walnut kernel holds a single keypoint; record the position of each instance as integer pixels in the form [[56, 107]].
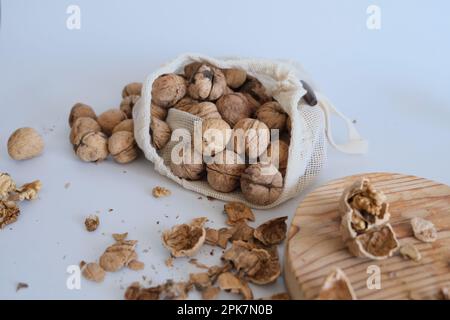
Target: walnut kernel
[[92, 271], [91, 223]]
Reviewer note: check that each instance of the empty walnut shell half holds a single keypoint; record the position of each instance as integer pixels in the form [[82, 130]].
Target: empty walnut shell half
[[122, 147], [250, 136], [224, 171], [186, 165], [261, 184], [234, 107], [160, 132], [272, 232], [273, 115], [337, 287], [207, 83], [378, 243], [168, 89], [366, 206], [185, 240]]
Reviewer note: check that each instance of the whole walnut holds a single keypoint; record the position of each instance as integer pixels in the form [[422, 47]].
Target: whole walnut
[[168, 89], [255, 91], [250, 136], [25, 143], [82, 126], [127, 105], [188, 166], [160, 132], [216, 134], [191, 68], [132, 89], [158, 112], [261, 184], [122, 147], [224, 171], [204, 110], [273, 115], [93, 147], [235, 77], [207, 83], [278, 154], [125, 125], [185, 103], [234, 107], [109, 119], [80, 110]]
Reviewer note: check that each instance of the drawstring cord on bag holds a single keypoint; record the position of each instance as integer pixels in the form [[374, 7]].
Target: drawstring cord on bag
[[355, 144]]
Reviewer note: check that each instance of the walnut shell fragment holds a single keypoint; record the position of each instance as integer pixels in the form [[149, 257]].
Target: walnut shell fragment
[[424, 230], [366, 206], [118, 255], [377, 244], [238, 211], [272, 232], [229, 282], [91, 223], [168, 291], [185, 240], [28, 191], [337, 287]]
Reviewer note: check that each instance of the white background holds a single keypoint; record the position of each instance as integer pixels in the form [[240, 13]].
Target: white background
[[394, 82]]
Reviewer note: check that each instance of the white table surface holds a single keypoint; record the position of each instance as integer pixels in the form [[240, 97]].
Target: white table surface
[[394, 82]]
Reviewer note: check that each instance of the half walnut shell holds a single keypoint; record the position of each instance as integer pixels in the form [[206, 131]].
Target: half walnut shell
[[185, 240]]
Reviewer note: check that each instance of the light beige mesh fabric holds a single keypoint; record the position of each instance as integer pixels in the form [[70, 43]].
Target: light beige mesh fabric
[[310, 125]]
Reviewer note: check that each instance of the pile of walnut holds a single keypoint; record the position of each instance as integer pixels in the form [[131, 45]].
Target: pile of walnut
[[225, 100], [11, 195], [112, 132], [252, 257], [117, 256]]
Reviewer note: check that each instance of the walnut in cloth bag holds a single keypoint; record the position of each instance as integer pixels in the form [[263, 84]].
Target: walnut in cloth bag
[[267, 81]]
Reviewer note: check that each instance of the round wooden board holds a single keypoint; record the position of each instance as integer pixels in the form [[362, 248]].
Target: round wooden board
[[315, 246]]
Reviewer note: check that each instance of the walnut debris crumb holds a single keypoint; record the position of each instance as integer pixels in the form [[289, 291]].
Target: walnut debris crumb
[[198, 264], [237, 211], [21, 285], [185, 239], [337, 287], [410, 251], [159, 192], [272, 231], [229, 282], [169, 262], [92, 222], [168, 291], [92, 271], [210, 293], [424, 230]]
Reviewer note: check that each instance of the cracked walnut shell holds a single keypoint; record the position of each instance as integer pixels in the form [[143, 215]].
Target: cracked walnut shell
[[132, 89], [168, 89], [109, 119], [25, 143], [81, 110], [250, 136], [91, 223], [122, 147], [82, 126], [231, 283], [273, 115], [28, 191], [272, 232], [424, 230], [337, 287], [225, 170], [234, 107], [185, 240], [261, 184], [207, 83], [9, 213], [93, 147]]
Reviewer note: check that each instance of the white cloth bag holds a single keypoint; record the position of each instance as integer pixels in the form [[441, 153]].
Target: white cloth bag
[[310, 124]]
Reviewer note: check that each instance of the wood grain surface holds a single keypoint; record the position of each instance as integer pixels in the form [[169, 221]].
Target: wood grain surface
[[315, 246]]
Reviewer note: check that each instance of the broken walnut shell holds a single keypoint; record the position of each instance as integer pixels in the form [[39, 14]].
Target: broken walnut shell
[[231, 283], [337, 287], [7, 186], [91, 223], [168, 89], [185, 240], [272, 232]]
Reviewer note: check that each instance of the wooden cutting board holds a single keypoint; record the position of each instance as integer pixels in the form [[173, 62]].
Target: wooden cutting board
[[315, 246]]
